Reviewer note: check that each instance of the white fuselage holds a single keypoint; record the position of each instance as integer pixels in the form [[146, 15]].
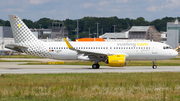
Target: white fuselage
[[132, 50]]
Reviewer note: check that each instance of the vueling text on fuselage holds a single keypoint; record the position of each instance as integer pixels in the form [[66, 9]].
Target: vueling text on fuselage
[[132, 44]]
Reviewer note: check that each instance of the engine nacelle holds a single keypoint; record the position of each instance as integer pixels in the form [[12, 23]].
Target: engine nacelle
[[116, 60]]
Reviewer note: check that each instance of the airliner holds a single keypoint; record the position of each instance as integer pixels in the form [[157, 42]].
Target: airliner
[[115, 54]]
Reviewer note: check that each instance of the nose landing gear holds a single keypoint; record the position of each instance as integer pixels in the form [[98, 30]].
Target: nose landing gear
[[154, 65]]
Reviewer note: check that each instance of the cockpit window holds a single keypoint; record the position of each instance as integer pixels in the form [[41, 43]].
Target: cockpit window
[[167, 47]]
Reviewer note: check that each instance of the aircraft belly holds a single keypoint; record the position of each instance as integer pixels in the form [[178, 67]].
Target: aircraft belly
[[62, 56], [147, 57]]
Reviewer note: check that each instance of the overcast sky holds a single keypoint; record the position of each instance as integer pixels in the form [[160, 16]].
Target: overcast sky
[[76, 9]]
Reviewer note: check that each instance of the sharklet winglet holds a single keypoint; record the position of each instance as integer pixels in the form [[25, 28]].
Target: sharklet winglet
[[68, 44]]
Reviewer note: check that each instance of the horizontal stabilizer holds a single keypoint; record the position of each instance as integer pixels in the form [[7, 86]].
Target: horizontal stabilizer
[[16, 47]]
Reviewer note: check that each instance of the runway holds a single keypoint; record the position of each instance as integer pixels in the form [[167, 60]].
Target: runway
[[14, 68]]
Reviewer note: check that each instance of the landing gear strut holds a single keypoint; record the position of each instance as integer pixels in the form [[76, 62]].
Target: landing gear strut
[[95, 66], [154, 65]]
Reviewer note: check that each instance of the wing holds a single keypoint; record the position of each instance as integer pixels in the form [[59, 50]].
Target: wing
[[16, 47]]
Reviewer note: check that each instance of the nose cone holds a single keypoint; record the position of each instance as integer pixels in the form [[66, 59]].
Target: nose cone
[[174, 53]]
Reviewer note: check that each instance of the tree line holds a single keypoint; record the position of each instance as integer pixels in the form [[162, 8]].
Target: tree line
[[106, 24]]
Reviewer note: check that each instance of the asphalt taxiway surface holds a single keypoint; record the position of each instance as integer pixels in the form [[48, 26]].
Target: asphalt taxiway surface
[[14, 68]]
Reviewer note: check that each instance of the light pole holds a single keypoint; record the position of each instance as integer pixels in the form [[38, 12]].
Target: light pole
[[114, 28], [77, 29], [63, 31], [40, 26], [97, 29], [89, 34], [102, 31]]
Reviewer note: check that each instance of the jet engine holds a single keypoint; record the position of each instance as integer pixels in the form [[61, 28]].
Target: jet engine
[[116, 60]]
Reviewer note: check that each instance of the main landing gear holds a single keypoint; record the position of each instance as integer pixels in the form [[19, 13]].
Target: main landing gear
[[154, 65], [95, 66]]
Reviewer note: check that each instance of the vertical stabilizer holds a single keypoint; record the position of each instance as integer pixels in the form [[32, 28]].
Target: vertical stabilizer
[[20, 31], [23, 37]]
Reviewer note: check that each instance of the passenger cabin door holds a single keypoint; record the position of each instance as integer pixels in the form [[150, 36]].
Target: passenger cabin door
[[109, 50], [138, 50], [154, 49]]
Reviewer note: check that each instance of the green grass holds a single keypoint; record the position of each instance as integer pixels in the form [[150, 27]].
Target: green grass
[[17, 61], [90, 87], [19, 56], [158, 63]]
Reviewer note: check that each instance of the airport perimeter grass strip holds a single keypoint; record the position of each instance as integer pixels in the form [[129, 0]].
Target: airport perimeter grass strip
[[20, 56], [18, 61], [175, 62], [158, 86]]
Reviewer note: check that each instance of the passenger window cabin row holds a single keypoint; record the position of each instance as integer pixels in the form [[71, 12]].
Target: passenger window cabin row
[[101, 48]]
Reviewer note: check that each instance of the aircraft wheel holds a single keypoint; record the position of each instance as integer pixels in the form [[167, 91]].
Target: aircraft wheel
[[98, 66], [95, 66], [154, 66]]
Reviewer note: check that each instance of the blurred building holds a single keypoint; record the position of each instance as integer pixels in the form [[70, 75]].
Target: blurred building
[[41, 33], [144, 33], [56, 30], [163, 37], [136, 33], [173, 33], [6, 37], [122, 35], [5, 32]]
